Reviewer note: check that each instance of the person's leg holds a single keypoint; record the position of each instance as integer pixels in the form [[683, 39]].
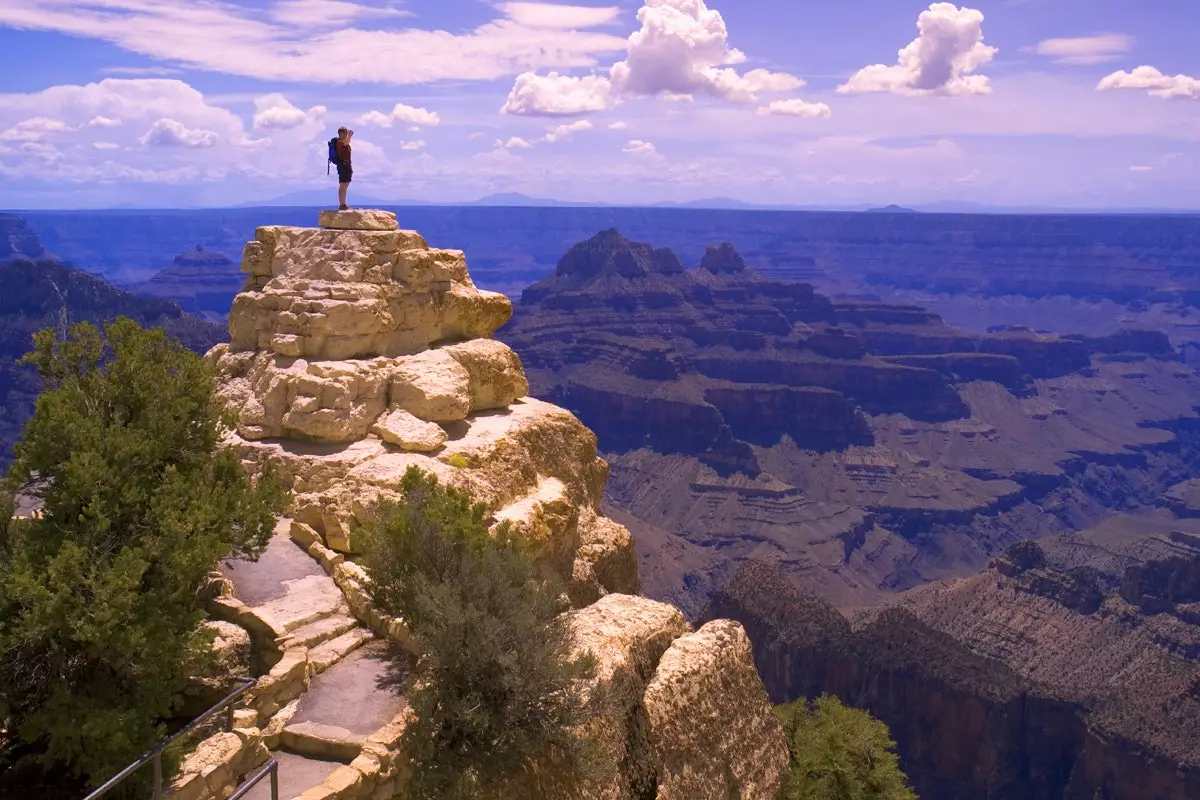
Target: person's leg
[[342, 187]]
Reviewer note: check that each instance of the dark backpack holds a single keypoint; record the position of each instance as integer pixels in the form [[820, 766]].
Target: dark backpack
[[333, 155]]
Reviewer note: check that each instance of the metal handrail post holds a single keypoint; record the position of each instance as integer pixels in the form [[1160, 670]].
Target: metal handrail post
[[158, 776], [274, 779]]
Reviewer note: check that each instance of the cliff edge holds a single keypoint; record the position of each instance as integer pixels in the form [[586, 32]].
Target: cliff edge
[[357, 352]]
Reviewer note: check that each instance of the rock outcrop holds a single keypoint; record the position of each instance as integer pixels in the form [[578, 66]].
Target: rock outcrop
[[863, 446], [359, 352], [1068, 669]]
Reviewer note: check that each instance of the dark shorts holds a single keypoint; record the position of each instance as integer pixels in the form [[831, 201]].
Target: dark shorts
[[345, 173]]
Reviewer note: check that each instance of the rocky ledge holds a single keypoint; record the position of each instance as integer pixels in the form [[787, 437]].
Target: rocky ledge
[[358, 352]]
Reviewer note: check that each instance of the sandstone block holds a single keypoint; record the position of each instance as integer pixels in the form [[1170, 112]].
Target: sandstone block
[[406, 431], [627, 635], [496, 375], [432, 386], [231, 645], [711, 728], [359, 219]]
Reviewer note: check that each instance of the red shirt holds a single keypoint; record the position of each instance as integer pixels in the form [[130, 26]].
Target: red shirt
[[343, 152]]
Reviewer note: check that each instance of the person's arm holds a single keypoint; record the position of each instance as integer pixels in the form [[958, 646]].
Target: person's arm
[[349, 136]]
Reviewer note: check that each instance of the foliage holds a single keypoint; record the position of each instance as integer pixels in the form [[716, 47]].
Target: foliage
[[98, 598], [497, 692], [839, 753]]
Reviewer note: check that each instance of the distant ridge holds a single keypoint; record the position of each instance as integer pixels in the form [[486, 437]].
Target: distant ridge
[[892, 209]]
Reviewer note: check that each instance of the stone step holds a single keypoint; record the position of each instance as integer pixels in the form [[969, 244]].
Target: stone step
[[297, 774], [326, 655], [324, 629], [325, 742]]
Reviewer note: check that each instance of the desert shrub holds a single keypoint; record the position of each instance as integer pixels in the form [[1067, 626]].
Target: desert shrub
[[497, 692], [839, 753], [98, 598]]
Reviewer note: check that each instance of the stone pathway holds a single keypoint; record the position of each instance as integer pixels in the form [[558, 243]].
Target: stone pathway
[[325, 728]]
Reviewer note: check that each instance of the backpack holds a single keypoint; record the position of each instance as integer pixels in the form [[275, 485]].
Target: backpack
[[333, 155]]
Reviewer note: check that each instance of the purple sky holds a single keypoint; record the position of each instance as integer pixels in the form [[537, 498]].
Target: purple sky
[[1073, 103]]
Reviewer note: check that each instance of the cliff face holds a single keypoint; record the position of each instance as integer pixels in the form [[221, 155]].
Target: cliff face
[[358, 352], [863, 446], [203, 282], [1068, 669]]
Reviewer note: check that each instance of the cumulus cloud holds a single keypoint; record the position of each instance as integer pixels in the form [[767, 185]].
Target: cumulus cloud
[[619, 125], [1141, 168], [1156, 83], [274, 111], [103, 122], [565, 132], [1085, 49], [33, 129], [415, 145], [514, 143], [105, 146], [681, 49], [940, 61], [638, 147], [400, 115], [557, 95], [553, 15], [326, 41], [173, 133], [794, 108]]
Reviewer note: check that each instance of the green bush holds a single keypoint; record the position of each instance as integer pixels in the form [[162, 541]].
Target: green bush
[[98, 599], [839, 753], [497, 692]]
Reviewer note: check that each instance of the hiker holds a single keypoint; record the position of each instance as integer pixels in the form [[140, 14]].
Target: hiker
[[339, 156]]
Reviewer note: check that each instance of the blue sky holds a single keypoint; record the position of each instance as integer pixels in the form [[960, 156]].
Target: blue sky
[[1073, 103]]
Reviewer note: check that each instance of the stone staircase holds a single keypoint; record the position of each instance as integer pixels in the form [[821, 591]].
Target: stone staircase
[[319, 708]]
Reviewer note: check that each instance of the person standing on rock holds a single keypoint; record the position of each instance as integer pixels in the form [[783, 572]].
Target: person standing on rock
[[339, 156]]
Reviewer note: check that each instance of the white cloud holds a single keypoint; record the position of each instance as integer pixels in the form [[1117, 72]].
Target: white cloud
[[105, 146], [1140, 168], [173, 133], [140, 72], [940, 61], [1085, 49], [103, 122], [1159, 85], [328, 13], [330, 42], [274, 111], [553, 15], [477, 135], [794, 108], [557, 95], [681, 50], [33, 129], [415, 145], [638, 147], [400, 115], [565, 132], [515, 143], [619, 125]]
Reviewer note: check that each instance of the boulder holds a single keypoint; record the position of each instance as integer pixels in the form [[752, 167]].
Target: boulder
[[711, 728], [359, 219], [402, 429]]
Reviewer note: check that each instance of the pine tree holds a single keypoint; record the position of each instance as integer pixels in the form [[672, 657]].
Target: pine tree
[[497, 689], [839, 753], [99, 607]]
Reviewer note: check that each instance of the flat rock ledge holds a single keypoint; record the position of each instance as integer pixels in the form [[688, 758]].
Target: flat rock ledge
[[359, 219]]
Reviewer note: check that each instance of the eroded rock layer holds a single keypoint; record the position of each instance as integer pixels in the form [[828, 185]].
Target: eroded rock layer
[[358, 353], [862, 446]]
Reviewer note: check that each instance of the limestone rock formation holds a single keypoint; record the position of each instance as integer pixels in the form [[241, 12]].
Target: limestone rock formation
[[865, 446], [357, 353], [683, 714]]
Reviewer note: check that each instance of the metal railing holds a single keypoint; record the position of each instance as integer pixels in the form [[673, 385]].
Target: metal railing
[[272, 768], [154, 754]]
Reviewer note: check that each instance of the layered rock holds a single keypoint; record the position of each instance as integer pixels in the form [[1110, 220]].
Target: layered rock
[[202, 281], [358, 353], [862, 445], [1068, 669]]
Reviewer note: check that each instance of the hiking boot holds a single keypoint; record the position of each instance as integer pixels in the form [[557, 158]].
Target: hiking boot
[[343, 207]]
